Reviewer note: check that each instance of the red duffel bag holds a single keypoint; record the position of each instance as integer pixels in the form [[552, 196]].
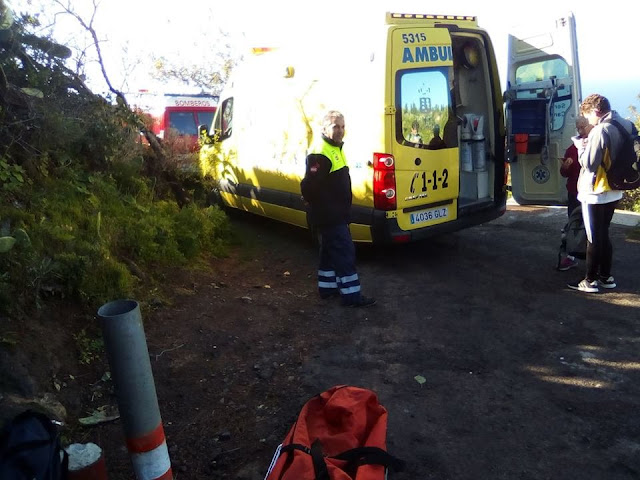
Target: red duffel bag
[[339, 435]]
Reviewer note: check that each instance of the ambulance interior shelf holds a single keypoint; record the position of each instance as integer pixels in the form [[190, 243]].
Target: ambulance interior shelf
[[470, 92], [529, 110], [528, 118]]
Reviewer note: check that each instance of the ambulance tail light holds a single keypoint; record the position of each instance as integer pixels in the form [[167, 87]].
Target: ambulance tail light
[[384, 182]]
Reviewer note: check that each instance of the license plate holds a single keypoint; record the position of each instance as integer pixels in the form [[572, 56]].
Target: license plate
[[430, 215]]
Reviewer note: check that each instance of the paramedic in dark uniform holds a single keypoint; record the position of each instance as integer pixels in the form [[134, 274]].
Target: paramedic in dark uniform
[[326, 188]]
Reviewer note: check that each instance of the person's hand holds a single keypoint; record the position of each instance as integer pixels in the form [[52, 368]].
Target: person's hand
[[568, 161]]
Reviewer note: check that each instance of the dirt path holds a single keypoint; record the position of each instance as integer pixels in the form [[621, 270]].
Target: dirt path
[[524, 378]]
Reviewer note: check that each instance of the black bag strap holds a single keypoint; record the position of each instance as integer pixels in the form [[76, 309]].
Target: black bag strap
[[621, 129], [295, 446], [371, 456], [317, 457], [354, 458], [319, 465]]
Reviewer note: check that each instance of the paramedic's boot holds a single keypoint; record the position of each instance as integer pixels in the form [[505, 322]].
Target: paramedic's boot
[[567, 262], [330, 294], [363, 301]]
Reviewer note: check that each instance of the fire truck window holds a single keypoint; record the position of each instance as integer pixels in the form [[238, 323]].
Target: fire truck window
[[183, 123], [205, 118], [424, 106]]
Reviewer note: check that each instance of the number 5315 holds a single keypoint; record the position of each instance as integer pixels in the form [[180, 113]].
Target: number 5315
[[414, 37]]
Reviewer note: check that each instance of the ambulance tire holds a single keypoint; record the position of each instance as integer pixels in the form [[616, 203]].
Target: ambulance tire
[[214, 198]]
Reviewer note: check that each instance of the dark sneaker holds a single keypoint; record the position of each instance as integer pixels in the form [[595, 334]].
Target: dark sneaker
[[362, 301], [327, 295], [566, 263], [586, 286], [607, 282]]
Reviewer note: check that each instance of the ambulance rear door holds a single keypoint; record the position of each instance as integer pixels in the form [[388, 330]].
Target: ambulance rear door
[[542, 102], [427, 175]]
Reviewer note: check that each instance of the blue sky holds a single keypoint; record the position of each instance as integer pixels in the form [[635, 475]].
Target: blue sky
[[184, 30]]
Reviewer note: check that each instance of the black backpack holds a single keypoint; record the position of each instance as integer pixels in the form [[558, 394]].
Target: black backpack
[[624, 172], [30, 449], [573, 238]]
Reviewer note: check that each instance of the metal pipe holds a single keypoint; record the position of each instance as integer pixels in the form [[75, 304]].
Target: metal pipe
[[128, 356]]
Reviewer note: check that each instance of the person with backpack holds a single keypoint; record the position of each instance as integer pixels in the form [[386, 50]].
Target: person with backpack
[[595, 194], [570, 169]]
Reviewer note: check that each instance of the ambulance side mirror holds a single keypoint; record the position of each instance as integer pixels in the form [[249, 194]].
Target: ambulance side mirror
[[204, 138]]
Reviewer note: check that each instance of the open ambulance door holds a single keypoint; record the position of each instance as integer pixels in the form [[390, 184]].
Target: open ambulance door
[[542, 102]]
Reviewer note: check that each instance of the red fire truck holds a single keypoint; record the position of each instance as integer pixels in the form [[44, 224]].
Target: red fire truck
[[175, 117]]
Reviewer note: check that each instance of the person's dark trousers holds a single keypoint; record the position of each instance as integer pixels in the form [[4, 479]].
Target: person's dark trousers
[[572, 203], [599, 249], [337, 267]]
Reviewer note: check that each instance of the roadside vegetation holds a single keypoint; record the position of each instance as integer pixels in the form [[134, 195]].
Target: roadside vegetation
[[631, 200], [86, 209]]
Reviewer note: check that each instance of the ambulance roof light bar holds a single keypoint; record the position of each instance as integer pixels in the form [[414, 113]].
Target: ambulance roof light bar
[[420, 16]]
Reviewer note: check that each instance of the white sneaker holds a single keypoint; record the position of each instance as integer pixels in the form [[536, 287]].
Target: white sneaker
[[586, 286]]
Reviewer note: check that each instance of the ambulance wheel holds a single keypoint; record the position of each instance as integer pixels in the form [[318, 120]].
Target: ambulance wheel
[[214, 198]]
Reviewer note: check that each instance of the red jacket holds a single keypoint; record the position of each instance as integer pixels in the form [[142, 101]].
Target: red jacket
[[573, 171]]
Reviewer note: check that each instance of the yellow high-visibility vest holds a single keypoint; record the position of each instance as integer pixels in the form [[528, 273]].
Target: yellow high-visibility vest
[[334, 154]]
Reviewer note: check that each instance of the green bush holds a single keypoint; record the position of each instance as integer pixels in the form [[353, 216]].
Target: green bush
[[201, 230], [105, 279], [84, 229], [82, 201], [630, 201]]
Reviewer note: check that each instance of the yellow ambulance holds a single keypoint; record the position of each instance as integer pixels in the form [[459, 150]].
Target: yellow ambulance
[[425, 133]]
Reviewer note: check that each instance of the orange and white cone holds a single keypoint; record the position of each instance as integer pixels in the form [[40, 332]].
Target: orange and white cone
[[86, 462]]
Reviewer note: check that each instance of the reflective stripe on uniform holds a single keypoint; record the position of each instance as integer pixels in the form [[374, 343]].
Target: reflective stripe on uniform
[[326, 273], [350, 290], [349, 278], [328, 284]]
